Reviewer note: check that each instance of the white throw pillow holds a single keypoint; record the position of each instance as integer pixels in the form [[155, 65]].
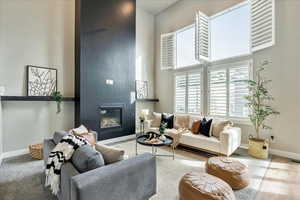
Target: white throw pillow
[[80, 130]]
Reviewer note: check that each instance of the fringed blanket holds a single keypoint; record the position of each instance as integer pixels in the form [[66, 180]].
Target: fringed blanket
[[58, 156]]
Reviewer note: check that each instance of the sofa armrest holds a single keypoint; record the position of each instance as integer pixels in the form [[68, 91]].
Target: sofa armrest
[[230, 140], [134, 178], [67, 172]]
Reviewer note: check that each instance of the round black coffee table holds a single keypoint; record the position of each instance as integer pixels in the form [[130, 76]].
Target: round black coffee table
[[142, 141]]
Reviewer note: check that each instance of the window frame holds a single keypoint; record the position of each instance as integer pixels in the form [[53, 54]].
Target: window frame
[[202, 96]]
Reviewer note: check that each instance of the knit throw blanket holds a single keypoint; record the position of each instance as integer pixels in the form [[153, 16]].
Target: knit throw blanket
[[58, 156]]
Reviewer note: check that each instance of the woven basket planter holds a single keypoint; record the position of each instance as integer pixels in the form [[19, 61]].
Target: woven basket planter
[[36, 151], [258, 148]]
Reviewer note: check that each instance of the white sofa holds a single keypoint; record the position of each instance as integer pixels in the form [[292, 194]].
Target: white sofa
[[228, 141]]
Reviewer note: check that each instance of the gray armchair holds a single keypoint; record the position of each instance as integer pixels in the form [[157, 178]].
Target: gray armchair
[[131, 179]]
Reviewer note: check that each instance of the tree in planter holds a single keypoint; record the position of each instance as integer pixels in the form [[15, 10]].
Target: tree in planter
[[259, 100], [58, 98], [259, 105]]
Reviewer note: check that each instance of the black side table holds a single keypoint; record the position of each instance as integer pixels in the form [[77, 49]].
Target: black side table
[[142, 138]]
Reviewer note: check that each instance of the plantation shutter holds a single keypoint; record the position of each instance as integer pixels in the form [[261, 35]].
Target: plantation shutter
[[238, 90], [194, 92], [168, 55], [180, 93], [202, 37], [217, 92], [262, 24]]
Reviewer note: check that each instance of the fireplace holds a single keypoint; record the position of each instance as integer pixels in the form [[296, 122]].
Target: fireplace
[[110, 117]]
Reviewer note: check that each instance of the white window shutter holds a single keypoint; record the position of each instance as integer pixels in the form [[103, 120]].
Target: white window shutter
[[218, 91], [194, 92], [262, 24], [238, 89], [168, 51], [202, 37], [180, 93]]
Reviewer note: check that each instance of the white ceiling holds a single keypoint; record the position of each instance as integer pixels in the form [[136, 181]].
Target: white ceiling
[[155, 6]]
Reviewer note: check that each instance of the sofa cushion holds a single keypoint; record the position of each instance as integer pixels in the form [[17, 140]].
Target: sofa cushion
[[58, 135], [219, 126], [196, 126], [169, 119], [110, 154], [181, 121], [193, 118], [87, 158], [156, 119], [205, 127]]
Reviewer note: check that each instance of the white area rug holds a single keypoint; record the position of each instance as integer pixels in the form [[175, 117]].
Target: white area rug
[[170, 171]]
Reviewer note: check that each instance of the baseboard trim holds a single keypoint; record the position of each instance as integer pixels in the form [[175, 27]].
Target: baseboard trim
[[118, 139], [14, 153], [286, 154]]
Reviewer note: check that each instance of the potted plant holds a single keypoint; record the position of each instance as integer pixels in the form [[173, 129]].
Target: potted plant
[[162, 129], [58, 98], [260, 110]]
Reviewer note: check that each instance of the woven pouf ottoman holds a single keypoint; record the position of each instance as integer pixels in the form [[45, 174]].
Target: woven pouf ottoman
[[231, 171], [202, 186]]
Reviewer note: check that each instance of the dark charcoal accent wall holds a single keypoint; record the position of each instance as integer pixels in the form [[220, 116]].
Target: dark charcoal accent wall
[[105, 49]]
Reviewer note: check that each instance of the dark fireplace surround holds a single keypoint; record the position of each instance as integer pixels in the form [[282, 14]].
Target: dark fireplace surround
[[105, 66]]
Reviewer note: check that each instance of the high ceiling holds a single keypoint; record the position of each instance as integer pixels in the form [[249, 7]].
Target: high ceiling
[[155, 6]]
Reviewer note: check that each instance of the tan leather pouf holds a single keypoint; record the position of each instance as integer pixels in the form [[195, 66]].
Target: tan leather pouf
[[202, 186], [229, 170]]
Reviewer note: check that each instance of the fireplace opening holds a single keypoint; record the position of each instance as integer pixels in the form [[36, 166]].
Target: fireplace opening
[[110, 117]]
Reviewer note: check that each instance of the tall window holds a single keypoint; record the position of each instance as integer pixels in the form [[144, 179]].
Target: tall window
[[227, 89], [185, 47], [230, 33], [218, 92], [188, 92]]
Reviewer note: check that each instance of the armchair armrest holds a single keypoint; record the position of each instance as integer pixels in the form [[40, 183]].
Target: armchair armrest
[[230, 140], [134, 178]]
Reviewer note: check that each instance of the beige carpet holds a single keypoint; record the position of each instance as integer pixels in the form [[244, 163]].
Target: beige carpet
[[170, 171], [21, 178]]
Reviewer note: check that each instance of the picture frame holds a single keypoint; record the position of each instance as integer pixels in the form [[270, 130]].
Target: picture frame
[[41, 81], [141, 88]]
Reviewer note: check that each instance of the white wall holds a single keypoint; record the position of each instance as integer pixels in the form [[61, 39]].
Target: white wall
[[284, 71], [1, 137], [41, 33], [144, 56]]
